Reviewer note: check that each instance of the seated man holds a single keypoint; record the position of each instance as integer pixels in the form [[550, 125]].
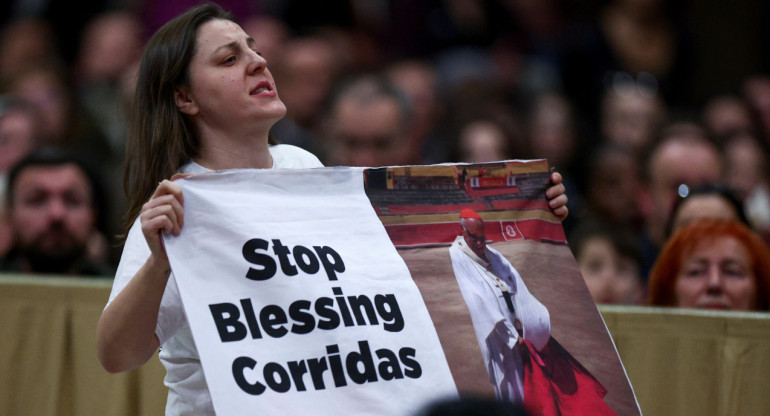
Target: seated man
[[51, 209]]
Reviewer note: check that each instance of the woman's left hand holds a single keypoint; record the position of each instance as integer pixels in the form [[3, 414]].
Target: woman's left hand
[[557, 199]]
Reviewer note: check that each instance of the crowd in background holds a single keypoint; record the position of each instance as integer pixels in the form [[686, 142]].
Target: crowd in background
[[603, 89]]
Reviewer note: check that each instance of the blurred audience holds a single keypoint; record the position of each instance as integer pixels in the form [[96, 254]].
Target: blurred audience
[[756, 90], [713, 264], [705, 201], [642, 42], [368, 125], [683, 157], [746, 170], [417, 80], [18, 137], [306, 70], [269, 33], [726, 114], [631, 116], [598, 92], [551, 131], [63, 122], [613, 190], [100, 71], [610, 262], [483, 141], [52, 208], [25, 42], [18, 134]]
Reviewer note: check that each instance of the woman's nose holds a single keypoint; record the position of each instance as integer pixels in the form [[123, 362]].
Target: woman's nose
[[714, 280], [257, 63]]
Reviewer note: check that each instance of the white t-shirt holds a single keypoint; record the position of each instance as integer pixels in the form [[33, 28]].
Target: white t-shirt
[[188, 393]]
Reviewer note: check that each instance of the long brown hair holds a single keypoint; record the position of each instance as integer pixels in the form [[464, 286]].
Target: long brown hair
[[160, 139], [664, 274]]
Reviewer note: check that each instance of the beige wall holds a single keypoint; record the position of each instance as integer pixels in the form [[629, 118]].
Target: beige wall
[[680, 363]]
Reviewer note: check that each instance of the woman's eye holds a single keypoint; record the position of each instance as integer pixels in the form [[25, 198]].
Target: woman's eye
[[693, 272], [229, 60]]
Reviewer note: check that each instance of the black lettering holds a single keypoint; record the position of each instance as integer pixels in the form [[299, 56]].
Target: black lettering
[[344, 311], [298, 311], [335, 363], [412, 367], [363, 358], [387, 307], [226, 319], [357, 303], [273, 319], [239, 365], [282, 252], [331, 261], [277, 378], [317, 368], [251, 318], [306, 259], [252, 256], [298, 370], [389, 366], [324, 309]]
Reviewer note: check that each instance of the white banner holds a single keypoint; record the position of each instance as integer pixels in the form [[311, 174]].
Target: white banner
[[297, 299]]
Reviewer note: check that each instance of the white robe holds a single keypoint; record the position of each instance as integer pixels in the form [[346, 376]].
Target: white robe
[[492, 319]]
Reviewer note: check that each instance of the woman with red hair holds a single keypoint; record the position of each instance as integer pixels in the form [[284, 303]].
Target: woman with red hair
[[713, 264]]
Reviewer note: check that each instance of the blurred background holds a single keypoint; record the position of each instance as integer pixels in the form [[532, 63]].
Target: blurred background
[[609, 91]]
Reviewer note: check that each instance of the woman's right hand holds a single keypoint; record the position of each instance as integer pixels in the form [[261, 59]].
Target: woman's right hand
[[163, 213]]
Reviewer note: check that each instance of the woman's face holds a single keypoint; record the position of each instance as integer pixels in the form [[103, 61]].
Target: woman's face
[[230, 85], [717, 274]]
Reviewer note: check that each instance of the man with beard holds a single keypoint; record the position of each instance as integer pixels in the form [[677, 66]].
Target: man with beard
[[51, 209]]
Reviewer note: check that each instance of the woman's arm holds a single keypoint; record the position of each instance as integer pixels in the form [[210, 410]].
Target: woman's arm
[[125, 333]]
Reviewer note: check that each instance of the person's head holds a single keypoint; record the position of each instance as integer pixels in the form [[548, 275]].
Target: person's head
[[712, 263], [25, 41], [613, 185], [47, 89], [199, 76], [472, 406], [684, 156], [745, 163], [473, 232], [483, 140], [18, 132], [110, 44], [705, 201], [631, 116], [53, 207], [369, 124], [551, 129], [271, 34], [307, 68], [609, 258], [726, 114]]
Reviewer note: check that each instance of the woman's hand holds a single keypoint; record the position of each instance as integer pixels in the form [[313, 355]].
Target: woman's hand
[[557, 199], [163, 213]]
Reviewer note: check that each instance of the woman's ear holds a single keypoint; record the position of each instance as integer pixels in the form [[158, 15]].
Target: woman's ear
[[184, 101]]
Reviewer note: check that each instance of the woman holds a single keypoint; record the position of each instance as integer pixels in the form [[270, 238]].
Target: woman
[[715, 264], [205, 100]]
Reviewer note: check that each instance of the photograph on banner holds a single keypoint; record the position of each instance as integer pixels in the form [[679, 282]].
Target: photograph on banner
[[502, 287]]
